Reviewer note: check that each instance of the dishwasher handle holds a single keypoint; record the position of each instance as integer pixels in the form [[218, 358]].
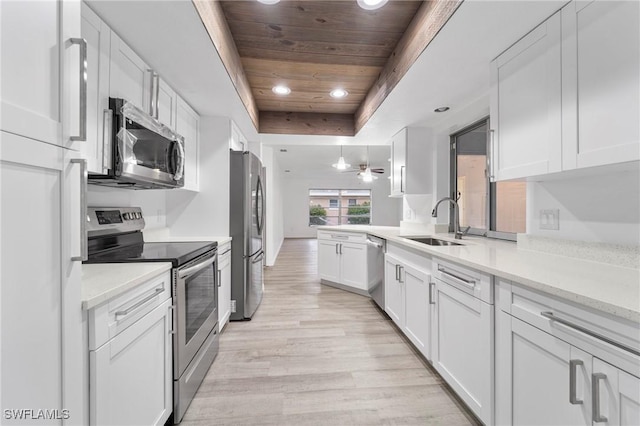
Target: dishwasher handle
[[375, 243]]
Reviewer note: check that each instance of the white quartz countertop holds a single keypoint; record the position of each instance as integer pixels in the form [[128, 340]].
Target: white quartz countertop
[[104, 281], [602, 286]]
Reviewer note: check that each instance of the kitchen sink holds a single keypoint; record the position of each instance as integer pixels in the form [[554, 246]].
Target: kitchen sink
[[434, 241]]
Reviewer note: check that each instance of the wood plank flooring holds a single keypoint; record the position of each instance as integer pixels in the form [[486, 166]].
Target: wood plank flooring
[[316, 355]]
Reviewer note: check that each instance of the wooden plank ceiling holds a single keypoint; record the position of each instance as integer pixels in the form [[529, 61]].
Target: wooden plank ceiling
[[314, 47]]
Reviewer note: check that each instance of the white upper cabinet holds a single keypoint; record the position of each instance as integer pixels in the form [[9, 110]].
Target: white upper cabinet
[[41, 71], [411, 165], [600, 83], [98, 37], [188, 126], [526, 105], [167, 104], [130, 79]]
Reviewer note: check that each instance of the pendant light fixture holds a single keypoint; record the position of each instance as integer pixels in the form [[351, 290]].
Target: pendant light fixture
[[341, 164], [367, 176]]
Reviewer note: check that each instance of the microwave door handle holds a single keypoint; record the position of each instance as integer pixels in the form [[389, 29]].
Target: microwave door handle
[[179, 171]]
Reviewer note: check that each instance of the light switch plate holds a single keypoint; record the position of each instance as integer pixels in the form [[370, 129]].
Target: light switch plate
[[550, 219]]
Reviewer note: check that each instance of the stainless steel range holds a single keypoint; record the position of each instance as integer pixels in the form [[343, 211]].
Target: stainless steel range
[[115, 236]]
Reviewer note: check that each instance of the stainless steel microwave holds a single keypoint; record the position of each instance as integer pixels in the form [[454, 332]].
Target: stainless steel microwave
[[145, 154]]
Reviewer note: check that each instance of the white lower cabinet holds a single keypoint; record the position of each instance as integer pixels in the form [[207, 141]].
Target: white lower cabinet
[[342, 260], [407, 300], [130, 374], [551, 373], [463, 335], [224, 285]]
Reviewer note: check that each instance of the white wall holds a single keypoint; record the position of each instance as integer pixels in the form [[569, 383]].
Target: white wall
[[274, 205], [600, 207], [152, 202], [205, 213], [384, 210]]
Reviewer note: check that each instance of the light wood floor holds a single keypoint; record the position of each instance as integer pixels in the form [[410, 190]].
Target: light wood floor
[[316, 355]]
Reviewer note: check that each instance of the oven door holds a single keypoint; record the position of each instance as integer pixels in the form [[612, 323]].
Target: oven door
[[196, 308]]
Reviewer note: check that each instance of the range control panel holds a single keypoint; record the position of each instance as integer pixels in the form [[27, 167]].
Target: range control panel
[[113, 220]]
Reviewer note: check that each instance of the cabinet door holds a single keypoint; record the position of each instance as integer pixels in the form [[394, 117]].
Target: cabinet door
[[188, 126], [97, 149], [525, 103], [616, 395], [131, 376], [31, 333], [538, 377], [463, 325], [353, 265], [398, 162], [224, 286], [417, 308], [130, 77], [393, 290], [328, 261], [36, 102], [600, 83], [167, 104]]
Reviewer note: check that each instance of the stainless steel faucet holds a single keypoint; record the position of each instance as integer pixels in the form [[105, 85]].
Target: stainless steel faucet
[[456, 215]]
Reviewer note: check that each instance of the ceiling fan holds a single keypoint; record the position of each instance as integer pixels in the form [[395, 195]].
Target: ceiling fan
[[363, 167]]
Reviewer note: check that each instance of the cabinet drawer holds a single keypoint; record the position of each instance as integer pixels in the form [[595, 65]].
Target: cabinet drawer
[[109, 319], [224, 256], [342, 237], [576, 325], [479, 284]]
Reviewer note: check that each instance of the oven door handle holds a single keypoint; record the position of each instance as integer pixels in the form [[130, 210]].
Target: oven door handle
[[196, 268]]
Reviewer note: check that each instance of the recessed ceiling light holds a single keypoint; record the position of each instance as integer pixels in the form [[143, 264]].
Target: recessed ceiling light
[[268, 1], [338, 93], [283, 150], [441, 109], [281, 90], [287, 171], [371, 4]]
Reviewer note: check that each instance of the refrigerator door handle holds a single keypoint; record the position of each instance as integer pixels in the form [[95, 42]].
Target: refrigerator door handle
[[258, 258]]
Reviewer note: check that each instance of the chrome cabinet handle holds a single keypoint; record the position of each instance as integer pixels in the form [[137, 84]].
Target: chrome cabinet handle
[[431, 285], [400, 274], [156, 83], [340, 248], [83, 89], [595, 382], [219, 278], [107, 123], [468, 283], [573, 377], [130, 309], [337, 248], [397, 271], [402, 178], [341, 237], [492, 151], [172, 309], [84, 254], [549, 315]]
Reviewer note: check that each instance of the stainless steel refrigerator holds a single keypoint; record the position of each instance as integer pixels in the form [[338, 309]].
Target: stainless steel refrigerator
[[246, 227]]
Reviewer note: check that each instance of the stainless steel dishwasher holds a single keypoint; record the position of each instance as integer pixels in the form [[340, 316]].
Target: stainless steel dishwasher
[[376, 248]]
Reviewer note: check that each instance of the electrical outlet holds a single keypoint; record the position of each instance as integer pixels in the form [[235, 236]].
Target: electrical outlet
[[233, 306], [550, 219]]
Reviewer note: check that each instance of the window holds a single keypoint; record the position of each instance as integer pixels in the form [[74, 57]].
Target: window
[[339, 206], [491, 209]]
